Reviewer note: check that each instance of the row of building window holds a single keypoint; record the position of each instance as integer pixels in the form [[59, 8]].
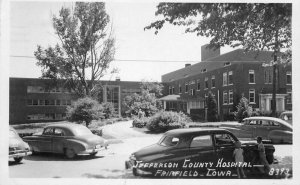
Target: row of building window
[[46, 116], [36, 102], [41, 89]]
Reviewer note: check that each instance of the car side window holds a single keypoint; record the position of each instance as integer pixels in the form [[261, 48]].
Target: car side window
[[223, 139], [201, 141], [59, 132], [48, 131]]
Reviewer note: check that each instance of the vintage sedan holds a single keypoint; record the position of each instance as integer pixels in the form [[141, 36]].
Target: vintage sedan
[[68, 139], [17, 147], [190, 151], [273, 129]]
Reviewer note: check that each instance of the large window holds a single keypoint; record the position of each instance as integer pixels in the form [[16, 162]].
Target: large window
[[251, 77], [201, 141], [206, 83], [225, 97], [180, 89], [289, 96], [225, 79], [230, 78], [289, 78], [252, 96], [268, 76], [186, 87], [170, 90], [213, 81], [198, 85], [230, 96]]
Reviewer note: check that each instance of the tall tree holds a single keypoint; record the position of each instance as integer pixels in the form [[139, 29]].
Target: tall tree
[[86, 47], [255, 26]]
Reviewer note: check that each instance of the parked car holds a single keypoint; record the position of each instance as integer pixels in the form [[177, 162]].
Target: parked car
[[287, 116], [273, 129], [66, 138], [190, 146], [17, 147]]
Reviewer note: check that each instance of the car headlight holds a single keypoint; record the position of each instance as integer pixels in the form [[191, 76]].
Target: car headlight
[[132, 157]]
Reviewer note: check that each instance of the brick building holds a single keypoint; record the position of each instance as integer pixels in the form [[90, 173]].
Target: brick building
[[229, 77], [35, 100]]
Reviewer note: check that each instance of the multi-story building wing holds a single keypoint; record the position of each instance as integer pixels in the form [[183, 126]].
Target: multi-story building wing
[[229, 77], [36, 100]]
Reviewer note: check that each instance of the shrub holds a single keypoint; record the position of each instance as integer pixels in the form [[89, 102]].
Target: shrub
[[243, 110], [85, 109], [212, 112], [167, 120], [108, 110], [140, 122]]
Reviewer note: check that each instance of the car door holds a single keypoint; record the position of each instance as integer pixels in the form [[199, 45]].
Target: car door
[[225, 146], [202, 150], [44, 143], [248, 129], [58, 140]]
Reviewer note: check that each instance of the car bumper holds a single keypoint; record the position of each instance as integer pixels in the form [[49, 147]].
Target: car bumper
[[90, 151], [20, 154], [129, 165]]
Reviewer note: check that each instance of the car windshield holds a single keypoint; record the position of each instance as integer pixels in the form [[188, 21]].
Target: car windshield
[[12, 134], [168, 141], [79, 131]]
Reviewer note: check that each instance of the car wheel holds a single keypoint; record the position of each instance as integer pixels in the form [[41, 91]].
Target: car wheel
[[18, 159], [70, 153]]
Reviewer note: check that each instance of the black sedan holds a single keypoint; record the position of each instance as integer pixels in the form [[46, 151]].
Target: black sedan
[[196, 152]]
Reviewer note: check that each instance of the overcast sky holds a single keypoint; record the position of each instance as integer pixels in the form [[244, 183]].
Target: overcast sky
[[31, 26]]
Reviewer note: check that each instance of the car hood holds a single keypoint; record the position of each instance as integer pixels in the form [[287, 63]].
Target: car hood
[[151, 150], [17, 143]]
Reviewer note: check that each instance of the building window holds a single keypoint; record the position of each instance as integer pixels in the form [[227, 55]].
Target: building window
[[29, 102], [198, 85], [268, 76], [58, 102], [173, 90], [192, 92], [227, 64], [230, 96], [41, 102], [289, 78], [225, 79], [213, 81], [225, 97], [206, 83], [230, 78], [170, 90], [289, 96], [252, 96], [186, 88], [35, 102], [251, 77], [180, 90]]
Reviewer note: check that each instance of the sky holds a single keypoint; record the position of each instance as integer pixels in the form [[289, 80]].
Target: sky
[[30, 25]]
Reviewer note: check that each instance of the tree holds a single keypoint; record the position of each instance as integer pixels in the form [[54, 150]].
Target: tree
[[86, 47], [85, 109], [255, 26], [147, 100], [212, 112], [243, 109]]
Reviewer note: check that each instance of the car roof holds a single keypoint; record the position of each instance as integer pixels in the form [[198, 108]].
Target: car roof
[[203, 130], [65, 125], [270, 119]]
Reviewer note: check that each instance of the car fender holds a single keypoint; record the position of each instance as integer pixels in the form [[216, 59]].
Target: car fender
[[280, 135], [76, 145]]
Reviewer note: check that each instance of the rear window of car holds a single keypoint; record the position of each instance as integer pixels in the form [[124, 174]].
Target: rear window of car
[[169, 141]]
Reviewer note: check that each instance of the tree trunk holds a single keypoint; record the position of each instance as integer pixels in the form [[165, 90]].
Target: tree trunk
[[273, 104]]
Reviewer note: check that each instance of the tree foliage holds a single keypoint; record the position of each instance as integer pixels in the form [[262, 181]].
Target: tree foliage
[[147, 100], [86, 47], [255, 26], [212, 112]]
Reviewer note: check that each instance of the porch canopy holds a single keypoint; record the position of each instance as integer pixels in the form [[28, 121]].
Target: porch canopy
[[171, 97]]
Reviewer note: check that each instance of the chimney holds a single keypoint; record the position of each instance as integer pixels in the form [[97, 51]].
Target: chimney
[[118, 79], [187, 65], [207, 53]]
